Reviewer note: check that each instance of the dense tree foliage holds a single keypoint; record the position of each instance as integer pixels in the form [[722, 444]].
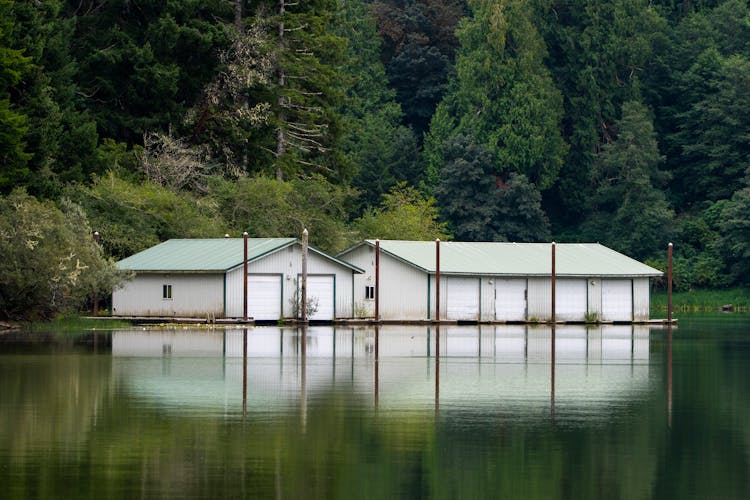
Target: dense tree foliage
[[50, 261], [624, 122]]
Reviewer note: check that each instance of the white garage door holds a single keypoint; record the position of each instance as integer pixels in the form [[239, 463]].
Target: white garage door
[[617, 300], [570, 300], [510, 299], [264, 296], [463, 298], [320, 291]]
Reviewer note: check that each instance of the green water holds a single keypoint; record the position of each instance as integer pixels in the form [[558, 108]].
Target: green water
[[350, 414]]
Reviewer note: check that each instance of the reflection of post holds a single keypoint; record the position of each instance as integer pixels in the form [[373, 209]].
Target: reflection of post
[[669, 375], [303, 380], [437, 369], [244, 373], [377, 364], [552, 375]]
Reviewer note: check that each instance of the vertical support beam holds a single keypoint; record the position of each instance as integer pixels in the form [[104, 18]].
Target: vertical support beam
[[95, 297], [553, 277], [377, 280], [303, 287], [437, 279], [244, 273], [669, 284]]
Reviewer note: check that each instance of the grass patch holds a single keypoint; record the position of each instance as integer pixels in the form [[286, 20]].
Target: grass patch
[[74, 323], [703, 300]]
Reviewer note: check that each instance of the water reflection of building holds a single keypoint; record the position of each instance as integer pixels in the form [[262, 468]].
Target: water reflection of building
[[498, 368]]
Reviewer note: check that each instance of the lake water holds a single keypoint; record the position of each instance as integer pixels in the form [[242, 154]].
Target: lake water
[[613, 412]]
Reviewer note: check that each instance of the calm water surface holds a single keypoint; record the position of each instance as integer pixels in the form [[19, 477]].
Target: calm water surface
[[407, 412]]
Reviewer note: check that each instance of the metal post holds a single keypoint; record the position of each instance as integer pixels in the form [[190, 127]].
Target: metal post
[[244, 272], [437, 279], [303, 287], [377, 280], [669, 284], [553, 283]]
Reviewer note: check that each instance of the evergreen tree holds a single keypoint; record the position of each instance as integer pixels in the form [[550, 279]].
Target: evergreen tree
[[598, 50], [479, 205], [383, 151], [503, 96], [418, 51], [13, 124], [628, 211], [308, 92]]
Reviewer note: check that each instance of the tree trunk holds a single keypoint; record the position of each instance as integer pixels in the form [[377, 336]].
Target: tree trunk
[[280, 135]]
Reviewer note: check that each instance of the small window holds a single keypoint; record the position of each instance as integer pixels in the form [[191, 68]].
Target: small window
[[166, 292], [369, 292]]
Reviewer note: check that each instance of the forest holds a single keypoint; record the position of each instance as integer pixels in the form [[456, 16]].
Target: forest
[[625, 122]]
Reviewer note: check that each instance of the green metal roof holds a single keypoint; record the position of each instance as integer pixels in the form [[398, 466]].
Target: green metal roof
[[210, 255], [515, 259], [205, 255]]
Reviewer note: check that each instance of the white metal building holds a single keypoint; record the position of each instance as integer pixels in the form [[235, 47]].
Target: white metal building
[[504, 282], [204, 277]]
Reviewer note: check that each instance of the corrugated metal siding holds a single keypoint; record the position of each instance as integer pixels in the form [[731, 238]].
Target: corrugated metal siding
[[193, 295], [510, 299], [288, 263], [364, 258], [617, 300], [595, 296], [641, 299], [540, 299], [463, 300], [487, 296], [403, 289]]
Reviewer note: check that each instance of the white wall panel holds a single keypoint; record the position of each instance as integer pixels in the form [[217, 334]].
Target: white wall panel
[[617, 300], [540, 299], [403, 288], [641, 299], [264, 296], [510, 299], [463, 298], [571, 298], [193, 295]]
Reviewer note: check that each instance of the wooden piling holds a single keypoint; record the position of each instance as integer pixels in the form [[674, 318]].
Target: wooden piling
[[377, 280], [303, 286], [244, 273], [553, 283], [437, 279]]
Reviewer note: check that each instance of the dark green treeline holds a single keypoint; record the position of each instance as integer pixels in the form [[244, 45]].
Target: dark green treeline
[[624, 122]]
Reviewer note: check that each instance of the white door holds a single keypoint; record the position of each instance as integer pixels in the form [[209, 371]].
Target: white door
[[264, 296], [320, 296], [463, 298], [617, 300], [510, 299], [570, 299]]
